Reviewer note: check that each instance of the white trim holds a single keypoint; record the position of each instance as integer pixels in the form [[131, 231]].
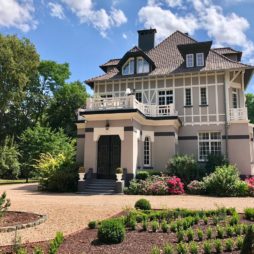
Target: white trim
[[203, 59], [187, 63], [149, 134], [111, 131]]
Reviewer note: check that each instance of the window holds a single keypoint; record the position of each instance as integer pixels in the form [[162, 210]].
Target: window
[[203, 96], [189, 60], [165, 97], [128, 68], [147, 152], [200, 59], [209, 143], [142, 65], [234, 98], [138, 96], [188, 101]]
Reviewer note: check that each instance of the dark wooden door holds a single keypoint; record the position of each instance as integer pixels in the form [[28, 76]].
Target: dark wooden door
[[109, 156]]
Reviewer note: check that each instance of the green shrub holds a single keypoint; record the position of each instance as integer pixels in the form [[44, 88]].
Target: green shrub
[[214, 161], [248, 241], [239, 242], [173, 227], [134, 188], [155, 250], [249, 213], [9, 159], [21, 251], [230, 231], [193, 248], [38, 250], [144, 225], [190, 235], [183, 166], [92, 224], [164, 226], [181, 248], [168, 249], [234, 219], [111, 231], [217, 245], [229, 245], [216, 220], [238, 229], [142, 175], [220, 232], [205, 219], [224, 181], [4, 204], [143, 204], [180, 235], [242, 189], [56, 242], [200, 235], [155, 226], [209, 233], [196, 187], [207, 247], [133, 224]]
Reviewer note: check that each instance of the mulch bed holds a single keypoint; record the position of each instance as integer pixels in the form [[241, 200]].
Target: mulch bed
[[12, 218]]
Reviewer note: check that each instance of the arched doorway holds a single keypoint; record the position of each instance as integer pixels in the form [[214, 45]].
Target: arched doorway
[[109, 156]]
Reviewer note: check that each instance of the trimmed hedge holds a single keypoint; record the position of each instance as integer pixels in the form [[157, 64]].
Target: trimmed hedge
[[143, 204]]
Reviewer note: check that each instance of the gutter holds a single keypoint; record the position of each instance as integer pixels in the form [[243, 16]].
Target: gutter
[[226, 115]]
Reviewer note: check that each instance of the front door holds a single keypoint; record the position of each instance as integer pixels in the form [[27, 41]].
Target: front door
[[109, 156]]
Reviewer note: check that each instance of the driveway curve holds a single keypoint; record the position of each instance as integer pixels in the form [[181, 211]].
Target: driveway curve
[[71, 212]]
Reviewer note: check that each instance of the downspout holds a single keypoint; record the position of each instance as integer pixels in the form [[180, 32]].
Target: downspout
[[226, 99]]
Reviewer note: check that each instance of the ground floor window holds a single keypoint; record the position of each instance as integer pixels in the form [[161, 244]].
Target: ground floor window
[[209, 143], [147, 152]]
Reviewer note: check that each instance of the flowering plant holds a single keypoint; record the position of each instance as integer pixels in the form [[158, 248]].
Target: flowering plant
[[196, 187], [250, 183], [175, 185]]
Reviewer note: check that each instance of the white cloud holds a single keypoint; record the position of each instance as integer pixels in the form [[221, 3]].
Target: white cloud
[[124, 36], [17, 14], [165, 21], [174, 3], [56, 10], [99, 19]]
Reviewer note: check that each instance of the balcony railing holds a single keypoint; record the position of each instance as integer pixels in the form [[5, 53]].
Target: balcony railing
[[236, 114], [130, 102]]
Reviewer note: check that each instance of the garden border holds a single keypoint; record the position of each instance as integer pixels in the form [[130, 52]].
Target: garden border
[[42, 219]]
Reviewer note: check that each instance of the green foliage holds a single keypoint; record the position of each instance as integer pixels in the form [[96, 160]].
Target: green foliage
[[181, 248], [61, 112], [133, 224], [38, 250], [92, 224], [250, 105], [9, 159], [229, 245], [155, 250], [214, 161], [239, 242], [223, 182], [207, 247], [218, 245], [180, 235], [205, 219], [168, 249], [155, 225], [142, 175], [173, 227], [4, 204], [21, 251], [111, 231], [190, 235], [164, 226], [41, 140], [200, 235], [144, 225], [249, 213], [248, 242], [183, 166], [230, 231], [134, 188], [143, 204], [56, 242], [193, 248], [234, 219], [209, 233], [220, 232]]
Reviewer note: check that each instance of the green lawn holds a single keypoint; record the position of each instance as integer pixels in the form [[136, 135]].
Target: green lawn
[[4, 181]]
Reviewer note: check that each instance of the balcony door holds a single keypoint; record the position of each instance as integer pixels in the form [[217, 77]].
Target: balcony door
[[109, 156], [165, 98]]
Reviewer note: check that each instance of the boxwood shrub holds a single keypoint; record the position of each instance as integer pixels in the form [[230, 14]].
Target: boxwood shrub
[[111, 231], [143, 204]]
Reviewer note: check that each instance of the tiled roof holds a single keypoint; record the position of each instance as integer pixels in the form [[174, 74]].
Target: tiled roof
[[168, 60], [111, 62], [226, 50]]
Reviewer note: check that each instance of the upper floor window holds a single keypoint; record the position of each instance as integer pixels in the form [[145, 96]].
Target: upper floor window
[[200, 59], [142, 65], [234, 98], [138, 96], [188, 101], [189, 60], [128, 68], [165, 97], [203, 96]]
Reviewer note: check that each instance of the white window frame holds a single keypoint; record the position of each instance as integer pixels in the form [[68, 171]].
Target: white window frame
[[188, 64], [143, 61], [235, 96], [200, 96], [147, 152], [211, 141], [185, 97], [128, 63], [202, 61], [165, 95]]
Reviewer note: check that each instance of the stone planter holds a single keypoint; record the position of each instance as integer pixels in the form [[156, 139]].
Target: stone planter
[[119, 177], [81, 176]]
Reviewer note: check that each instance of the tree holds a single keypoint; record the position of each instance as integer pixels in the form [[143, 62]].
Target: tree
[[61, 112], [9, 159], [19, 63], [41, 140], [250, 106]]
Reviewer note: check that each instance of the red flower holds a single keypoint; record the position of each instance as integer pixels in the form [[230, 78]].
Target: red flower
[[175, 186]]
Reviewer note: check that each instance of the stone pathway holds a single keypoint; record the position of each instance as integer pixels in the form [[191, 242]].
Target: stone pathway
[[71, 212]]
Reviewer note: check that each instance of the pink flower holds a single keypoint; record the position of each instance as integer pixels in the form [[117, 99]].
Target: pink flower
[[175, 186]]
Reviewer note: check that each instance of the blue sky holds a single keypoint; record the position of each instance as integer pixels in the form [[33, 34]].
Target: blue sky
[[86, 33]]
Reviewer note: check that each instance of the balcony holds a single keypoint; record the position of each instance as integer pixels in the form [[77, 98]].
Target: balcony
[[237, 114], [130, 102]]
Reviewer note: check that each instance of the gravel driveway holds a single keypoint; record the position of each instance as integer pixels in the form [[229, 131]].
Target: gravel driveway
[[71, 212]]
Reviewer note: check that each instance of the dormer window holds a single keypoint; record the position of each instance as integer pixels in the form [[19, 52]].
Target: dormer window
[[128, 68], [142, 65], [189, 60], [200, 59]]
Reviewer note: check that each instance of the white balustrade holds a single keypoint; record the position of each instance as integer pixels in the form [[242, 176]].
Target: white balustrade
[[236, 114]]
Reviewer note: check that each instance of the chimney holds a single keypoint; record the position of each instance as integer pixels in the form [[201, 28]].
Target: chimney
[[146, 39]]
